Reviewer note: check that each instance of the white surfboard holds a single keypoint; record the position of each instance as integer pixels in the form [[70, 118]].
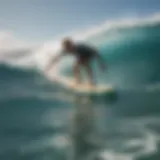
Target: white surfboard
[[69, 83]]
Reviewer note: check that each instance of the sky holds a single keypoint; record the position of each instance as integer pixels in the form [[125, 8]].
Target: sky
[[39, 20]]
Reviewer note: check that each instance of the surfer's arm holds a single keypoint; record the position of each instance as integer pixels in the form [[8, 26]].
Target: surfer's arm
[[54, 60], [100, 60]]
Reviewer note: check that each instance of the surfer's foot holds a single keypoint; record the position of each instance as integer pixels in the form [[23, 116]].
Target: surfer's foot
[[91, 84], [76, 83]]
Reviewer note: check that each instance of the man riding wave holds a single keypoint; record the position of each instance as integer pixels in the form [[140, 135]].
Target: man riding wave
[[84, 55]]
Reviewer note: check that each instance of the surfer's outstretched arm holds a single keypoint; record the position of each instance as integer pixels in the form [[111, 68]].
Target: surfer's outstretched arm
[[54, 61]]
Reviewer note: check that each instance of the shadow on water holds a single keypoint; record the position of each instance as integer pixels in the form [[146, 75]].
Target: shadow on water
[[85, 142]]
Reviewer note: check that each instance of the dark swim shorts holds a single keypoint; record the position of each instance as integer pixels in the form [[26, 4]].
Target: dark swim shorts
[[84, 52]]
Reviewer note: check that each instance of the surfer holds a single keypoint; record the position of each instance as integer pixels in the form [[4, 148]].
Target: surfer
[[84, 54]]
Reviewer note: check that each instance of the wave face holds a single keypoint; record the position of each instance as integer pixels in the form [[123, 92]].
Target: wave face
[[35, 113], [134, 57]]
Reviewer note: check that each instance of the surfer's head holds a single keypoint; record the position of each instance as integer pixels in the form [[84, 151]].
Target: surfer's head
[[68, 44]]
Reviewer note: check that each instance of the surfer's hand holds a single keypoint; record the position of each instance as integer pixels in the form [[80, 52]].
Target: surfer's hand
[[103, 67], [47, 68]]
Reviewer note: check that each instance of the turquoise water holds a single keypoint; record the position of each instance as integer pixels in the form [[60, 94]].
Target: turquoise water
[[40, 120]]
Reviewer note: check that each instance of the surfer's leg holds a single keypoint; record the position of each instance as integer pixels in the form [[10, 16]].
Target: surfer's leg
[[76, 71], [89, 73]]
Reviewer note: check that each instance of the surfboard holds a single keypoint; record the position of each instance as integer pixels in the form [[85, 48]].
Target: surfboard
[[84, 88]]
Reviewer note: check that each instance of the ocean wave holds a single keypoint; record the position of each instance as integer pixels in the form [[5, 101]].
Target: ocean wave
[[130, 48], [11, 47]]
